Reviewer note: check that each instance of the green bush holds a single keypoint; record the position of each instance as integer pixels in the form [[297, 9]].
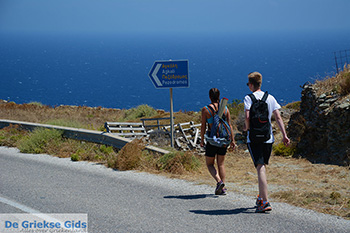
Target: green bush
[[294, 105], [164, 160], [75, 157], [235, 108], [139, 112], [85, 151], [282, 150], [106, 149], [37, 140], [36, 103]]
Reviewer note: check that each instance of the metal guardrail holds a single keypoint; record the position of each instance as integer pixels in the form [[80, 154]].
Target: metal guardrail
[[126, 129], [187, 135], [182, 131], [82, 134], [158, 125]]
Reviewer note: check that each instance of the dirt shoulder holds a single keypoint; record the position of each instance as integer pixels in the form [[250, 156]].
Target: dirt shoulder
[[320, 187]]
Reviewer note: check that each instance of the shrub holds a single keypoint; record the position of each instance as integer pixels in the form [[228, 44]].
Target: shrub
[[282, 150], [9, 136], [75, 157], [36, 103], [294, 105], [91, 152], [36, 141], [235, 108], [129, 157], [335, 195], [178, 162], [338, 84], [345, 83], [106, 149], [139, 112], [335, 198]]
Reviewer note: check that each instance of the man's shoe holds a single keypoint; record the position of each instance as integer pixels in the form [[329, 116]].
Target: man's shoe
[[258, 201], [262, 208], [219, 186]]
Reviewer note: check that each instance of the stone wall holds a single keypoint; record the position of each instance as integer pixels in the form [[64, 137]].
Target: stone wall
[[322, 127]]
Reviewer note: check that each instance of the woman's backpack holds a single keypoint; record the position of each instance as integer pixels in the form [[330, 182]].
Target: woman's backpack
[[220, 132]]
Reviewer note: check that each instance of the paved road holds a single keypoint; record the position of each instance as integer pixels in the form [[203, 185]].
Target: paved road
[[139, 202]]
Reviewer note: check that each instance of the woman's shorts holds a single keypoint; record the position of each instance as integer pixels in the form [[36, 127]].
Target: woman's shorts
[[260, 152], [211, 150]]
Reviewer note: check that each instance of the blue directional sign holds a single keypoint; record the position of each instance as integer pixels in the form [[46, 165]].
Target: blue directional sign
[[170, 74]]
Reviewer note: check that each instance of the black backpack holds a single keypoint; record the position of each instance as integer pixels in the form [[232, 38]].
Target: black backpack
[[260, 126]]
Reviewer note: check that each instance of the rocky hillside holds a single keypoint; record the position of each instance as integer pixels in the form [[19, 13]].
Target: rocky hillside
[[321, 128]]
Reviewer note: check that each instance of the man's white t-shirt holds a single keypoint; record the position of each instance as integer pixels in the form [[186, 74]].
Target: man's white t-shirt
[[272, 106]]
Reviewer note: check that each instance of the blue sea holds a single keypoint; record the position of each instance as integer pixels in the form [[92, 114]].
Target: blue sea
[[112, 70]]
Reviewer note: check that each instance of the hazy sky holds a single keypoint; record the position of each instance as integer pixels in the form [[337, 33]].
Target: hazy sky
[[121, 16]]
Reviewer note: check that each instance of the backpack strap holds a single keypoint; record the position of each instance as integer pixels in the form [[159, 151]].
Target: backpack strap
[[264, 98], [211, 110], [212, 114], [207, 107], [252, 96]]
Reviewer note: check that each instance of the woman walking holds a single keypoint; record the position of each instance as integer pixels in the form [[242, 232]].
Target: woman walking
[[211, 151]]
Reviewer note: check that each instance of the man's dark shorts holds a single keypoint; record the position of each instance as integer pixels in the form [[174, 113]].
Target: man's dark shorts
[[260, 152], [211, 150]]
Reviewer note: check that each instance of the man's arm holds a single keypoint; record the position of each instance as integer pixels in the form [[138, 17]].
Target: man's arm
[[246, 120], [228, 117], [280, 123]]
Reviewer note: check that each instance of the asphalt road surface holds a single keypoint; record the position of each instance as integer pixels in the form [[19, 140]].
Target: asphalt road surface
[[131, 201]]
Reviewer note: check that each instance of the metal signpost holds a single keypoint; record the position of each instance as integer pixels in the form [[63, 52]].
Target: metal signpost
[[170, 74]]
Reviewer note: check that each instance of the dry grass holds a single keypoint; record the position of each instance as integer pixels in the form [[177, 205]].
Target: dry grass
[[81, 116], [91, 118], [339, 84], [129, 157], [324, 188]]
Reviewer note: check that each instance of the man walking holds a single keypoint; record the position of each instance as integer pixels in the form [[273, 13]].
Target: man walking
[[259, 145]]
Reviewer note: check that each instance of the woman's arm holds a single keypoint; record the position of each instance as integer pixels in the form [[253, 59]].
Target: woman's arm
[[203, 124]]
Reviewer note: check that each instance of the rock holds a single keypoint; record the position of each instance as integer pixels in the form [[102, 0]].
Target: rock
[[324, 105], [331, 100], [323, 96], [321, 128], [344, 105]]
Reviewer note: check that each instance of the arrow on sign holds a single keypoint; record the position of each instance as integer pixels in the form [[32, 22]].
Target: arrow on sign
[[154, 75]]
